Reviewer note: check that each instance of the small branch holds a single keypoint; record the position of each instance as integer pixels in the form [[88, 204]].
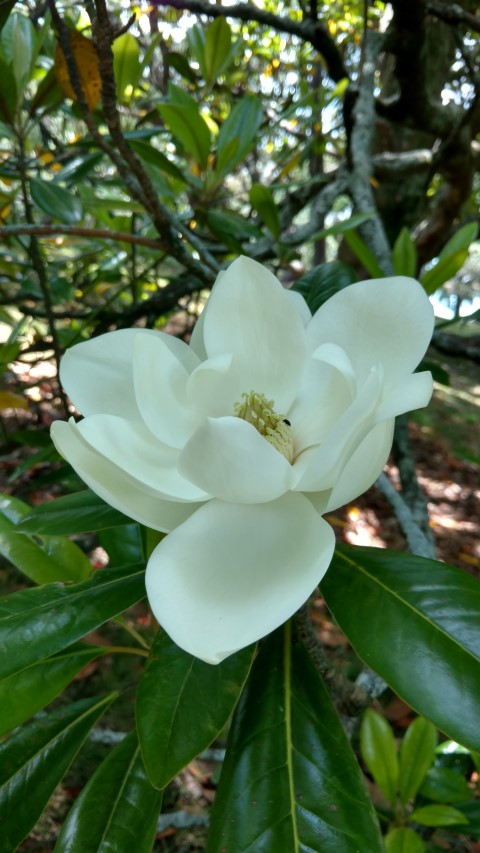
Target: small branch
[[79, 231], [453, 14], [308, 30], [361, 164], [418, 543], [350, 697], [411, 491]]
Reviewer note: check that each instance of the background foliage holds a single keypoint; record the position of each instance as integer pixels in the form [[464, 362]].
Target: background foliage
[[142, 147]]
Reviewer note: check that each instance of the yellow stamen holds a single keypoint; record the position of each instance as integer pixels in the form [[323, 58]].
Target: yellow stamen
[[276, 429]]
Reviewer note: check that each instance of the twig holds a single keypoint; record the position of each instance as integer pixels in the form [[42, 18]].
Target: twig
[[79, 231], [350, 697], [418, 543], [454, 14]]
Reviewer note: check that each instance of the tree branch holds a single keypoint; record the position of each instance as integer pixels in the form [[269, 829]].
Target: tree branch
[[79, 231], [308, 30]]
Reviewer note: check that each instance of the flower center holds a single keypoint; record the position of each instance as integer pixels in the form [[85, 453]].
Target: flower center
[[258, 411]]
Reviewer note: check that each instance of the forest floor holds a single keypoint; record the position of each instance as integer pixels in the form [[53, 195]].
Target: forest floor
[[445, 438]]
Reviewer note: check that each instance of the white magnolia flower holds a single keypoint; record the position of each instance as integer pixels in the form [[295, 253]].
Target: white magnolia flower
[[237, 444]]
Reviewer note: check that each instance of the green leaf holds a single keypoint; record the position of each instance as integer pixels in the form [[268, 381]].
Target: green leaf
[[404, 254], [261, 199], [183, 704], [186, 123], [124, 545], [34, 760], [56, 202], [417, 754], [438, 372], [322, 282], [290, 781], [238, 134], [6, 7], [379, 752], [438, 816], [38, 622], [403, 840], [42, 559], [418, 628], [363, 253], [444, 785], [26, 692], [78, 513], [126, 65], [154, 157], [118, 808], [18, 42], [196, 43], [460, 240], [218, 42], [471, 811], [443, 270], [8, 92], [344, 226]]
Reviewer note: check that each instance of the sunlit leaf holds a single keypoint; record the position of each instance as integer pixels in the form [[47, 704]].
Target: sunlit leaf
[[56, 202], [86, 60]]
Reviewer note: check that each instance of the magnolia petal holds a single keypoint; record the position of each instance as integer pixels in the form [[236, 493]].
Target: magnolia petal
[[250, 315], [234, 572], [230, 460], [318, 467], [364, 466], [114, 486], [214, 386], [132, 448], [365, 319], [160, 380], [300, 306], [413, 393], [97, 374], [324, 394]]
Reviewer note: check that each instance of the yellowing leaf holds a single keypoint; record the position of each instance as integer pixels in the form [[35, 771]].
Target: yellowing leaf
[[86, 60], [12, 401]]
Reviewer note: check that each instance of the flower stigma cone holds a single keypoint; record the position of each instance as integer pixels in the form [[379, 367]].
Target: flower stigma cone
[[237, 444]]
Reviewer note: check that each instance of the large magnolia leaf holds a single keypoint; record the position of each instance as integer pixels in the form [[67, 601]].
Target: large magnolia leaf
[[117, 809], [36, 623], [26, 692], [77, 513], [183, 704], [290, 781], [416, 622], [34, 760]]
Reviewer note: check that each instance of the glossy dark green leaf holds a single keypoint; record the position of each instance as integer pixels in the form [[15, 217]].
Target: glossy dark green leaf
[[417, 754], [187, 124], [43, 559], [56, 202], [26, 692], [322, 282], [78, 513], [117, 809], [238, 134], [444, 785], [183, 704], [438, 816], [471, 811], [379, 752], [418, 627], [34, 760], [36, 623], [460, 240], [124, 545], [403, 840], [290, 781]]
